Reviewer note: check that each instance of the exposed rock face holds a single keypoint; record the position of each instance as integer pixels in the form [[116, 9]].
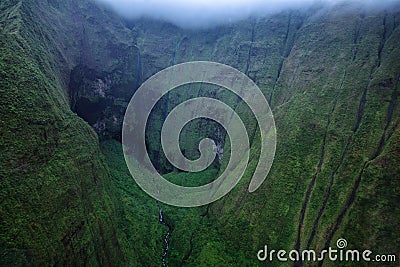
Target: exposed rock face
[[96, 98]]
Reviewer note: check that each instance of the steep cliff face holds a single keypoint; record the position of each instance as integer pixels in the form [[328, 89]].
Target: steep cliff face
[[58, 206], [332, 81], [331, 78]]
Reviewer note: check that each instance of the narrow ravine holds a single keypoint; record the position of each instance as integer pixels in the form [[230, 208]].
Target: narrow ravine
[[78, 19], [320, 163], [382, 44], [173, 62], [139, 72], [167, 95], [353, 194], [286, 50], [248, 63], [389, 118], [189, 253], [349, 201], [250, 49], [343, 155]]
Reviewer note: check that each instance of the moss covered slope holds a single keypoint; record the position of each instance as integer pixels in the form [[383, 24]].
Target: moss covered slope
[[330, 75], [57, 203]]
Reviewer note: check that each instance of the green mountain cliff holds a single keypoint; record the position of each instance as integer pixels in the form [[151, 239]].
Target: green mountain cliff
[[68, 70]]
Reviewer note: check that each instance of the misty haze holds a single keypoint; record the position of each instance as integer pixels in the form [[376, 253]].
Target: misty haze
[[209, 13]]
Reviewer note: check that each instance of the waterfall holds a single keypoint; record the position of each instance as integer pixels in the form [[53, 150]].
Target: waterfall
[[139, 70], [167, 235]]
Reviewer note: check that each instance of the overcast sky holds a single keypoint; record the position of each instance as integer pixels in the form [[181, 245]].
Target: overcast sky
[[199, 13]]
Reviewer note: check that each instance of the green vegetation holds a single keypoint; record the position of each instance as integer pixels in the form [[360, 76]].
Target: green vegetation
[[321, 97], [332, 82], [57, 203]]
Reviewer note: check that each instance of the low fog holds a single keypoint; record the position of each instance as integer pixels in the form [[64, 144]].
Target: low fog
[[206, 13]]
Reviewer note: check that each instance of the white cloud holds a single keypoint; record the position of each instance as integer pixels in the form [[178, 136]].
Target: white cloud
[[200, 13]]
